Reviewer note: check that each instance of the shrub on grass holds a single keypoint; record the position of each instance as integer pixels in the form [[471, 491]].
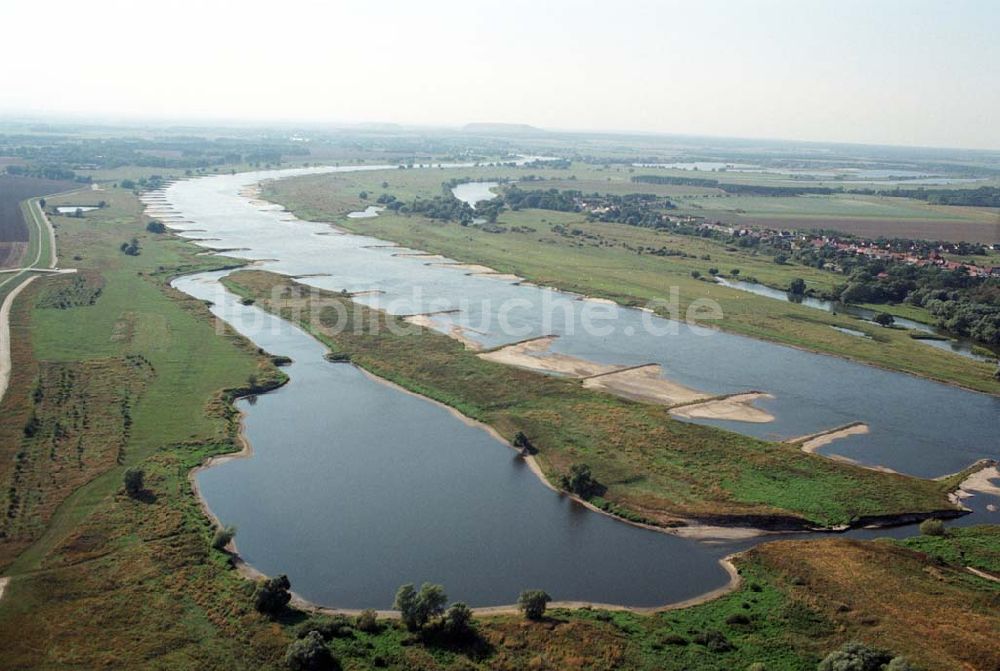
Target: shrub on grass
[[271, 595], [855, 657], [579, 481], [932, 527], [533, 603], [714, 640], [134, 479], [458, 620], [368, 622], [309, 654], [223, 535], [737, 618]]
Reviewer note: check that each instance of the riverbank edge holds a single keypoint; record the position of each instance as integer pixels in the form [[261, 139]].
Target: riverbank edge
[[628, 301], [728, 563], [702, 527]]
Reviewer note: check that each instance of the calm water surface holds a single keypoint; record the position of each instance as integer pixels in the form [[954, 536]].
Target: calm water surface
[[356, 487]]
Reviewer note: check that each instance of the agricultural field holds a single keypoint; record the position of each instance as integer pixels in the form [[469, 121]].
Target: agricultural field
[[867, 216], [14, 232]]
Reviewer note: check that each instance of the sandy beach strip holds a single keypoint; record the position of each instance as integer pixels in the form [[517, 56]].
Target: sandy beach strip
[[979, 481], [3, 586], [454, 331], [470, 268], [644, 383], [735, 407], [814, 441], [534, 355]]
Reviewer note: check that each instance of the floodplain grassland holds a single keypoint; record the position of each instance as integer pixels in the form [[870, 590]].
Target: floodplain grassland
[[132, 375], [119, 582], [602, 260], [655, 468]]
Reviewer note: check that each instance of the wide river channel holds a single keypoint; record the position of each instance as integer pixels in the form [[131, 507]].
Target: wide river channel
[[356, 487]]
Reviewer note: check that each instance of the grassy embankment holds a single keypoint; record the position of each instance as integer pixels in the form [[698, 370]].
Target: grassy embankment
[[654, 467], [798, 601], [130, 375], [603, 260], [129, 584]]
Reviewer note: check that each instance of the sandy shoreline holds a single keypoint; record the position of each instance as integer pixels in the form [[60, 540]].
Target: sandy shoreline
[[534, 355], [735, 408], [644, 383], [978, 482], [3, 586], [454, 331], [814, 441]]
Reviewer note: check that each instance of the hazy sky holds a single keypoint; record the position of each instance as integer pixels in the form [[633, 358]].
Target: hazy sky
[[894, 72]]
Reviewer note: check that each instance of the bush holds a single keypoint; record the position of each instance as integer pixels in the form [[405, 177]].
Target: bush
[[674, 639], [368, 622], [134, 479], [309, 654], [579, 481], [223, 536], [855, 657], [932, 527], [458, 620], [737, 618], [416, 608], [884, 319], [714, 640], [338, 626], [533, 603], [272, 594], [695, 274], [156, 227]]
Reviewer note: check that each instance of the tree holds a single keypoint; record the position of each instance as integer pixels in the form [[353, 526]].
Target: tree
[[41, 203], [522, 442], [271, 595], [416, 608], [363, 195], [797, 286], [855, 657], [932, 527], [781, 259], [533, 603], [309, 653], [695, 274], [884, 319], [134, 481], [734, 272], [579, 481], [223, 535], [156, 227], [458, 620]]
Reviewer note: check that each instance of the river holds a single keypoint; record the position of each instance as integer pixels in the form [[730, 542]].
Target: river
[[356, 487]]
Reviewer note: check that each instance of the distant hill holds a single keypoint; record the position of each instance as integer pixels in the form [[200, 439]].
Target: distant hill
[[487, 128]]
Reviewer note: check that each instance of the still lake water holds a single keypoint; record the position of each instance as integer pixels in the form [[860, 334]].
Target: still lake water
[[356, 487], [475, 192]]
